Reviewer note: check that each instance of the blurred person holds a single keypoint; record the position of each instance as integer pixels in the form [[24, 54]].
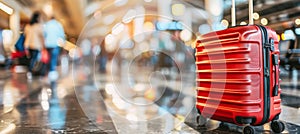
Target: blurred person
[[34, 40], [54, 34], [102, 59]]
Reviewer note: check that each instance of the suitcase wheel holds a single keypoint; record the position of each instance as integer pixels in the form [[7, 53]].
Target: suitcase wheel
[[248, 130], [277, 126], [223, 126], [201, 121]]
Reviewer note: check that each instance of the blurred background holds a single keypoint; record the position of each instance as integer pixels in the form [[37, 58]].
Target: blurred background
[[184, 20], [128, 66]]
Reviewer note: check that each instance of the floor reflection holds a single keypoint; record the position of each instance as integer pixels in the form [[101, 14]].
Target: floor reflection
[[152, 104], [57, 111], [43, 107]]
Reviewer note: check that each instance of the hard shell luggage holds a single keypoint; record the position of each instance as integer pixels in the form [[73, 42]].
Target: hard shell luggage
[[238, 76]]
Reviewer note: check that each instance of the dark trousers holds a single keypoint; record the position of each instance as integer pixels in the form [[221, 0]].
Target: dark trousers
[[33, 58], [53, 53]]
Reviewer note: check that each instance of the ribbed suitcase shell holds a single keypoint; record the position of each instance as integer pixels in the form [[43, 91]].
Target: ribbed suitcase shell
[[230, 75]]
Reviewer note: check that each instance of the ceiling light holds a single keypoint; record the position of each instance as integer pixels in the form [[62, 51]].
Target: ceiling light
[[225, 23], [297, 21], [178, 9], [148, 26], [264, 21], [255, 16], [6, 9], [48, 10], [243, 23]]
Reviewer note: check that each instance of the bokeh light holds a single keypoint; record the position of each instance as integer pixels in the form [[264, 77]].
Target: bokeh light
[[178, 9], [264, 21]]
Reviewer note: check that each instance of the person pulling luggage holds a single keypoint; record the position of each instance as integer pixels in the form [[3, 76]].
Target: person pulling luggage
[[53, 33]]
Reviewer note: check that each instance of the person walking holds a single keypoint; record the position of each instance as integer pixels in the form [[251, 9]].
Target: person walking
[[53, 33], [34, 40]]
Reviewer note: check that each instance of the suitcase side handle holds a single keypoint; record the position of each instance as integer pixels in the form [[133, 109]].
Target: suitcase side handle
[[276, 75]]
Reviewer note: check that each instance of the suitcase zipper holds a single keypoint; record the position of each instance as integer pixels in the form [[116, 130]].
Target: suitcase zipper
[[267, 46]]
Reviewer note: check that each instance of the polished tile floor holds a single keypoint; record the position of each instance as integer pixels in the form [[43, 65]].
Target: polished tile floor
[[80, 102]]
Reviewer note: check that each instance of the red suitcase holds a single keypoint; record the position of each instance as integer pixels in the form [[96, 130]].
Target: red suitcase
[[238, 77]]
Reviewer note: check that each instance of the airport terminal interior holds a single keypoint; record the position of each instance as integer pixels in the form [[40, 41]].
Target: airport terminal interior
[[128, 66]]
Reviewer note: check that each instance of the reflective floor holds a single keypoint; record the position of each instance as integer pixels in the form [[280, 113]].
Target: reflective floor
[[101, 103]]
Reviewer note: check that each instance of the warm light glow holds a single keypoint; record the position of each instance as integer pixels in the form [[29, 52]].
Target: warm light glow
[[282, 36], [118, 28], [6, 9], [243, 23], [225, 23], [148, 0], [148, 26], [128, 17], [186, 35], [150, 94], [255, 16], [48, 10], [109, 39], [264, 21], [178, 9], [108, 19], [110, 43], [297, 21]]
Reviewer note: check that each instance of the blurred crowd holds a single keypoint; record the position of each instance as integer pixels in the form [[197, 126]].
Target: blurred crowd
[[38, 46]]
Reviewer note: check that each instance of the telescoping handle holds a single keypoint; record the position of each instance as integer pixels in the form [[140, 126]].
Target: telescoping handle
[[251, 12], [233, 18], [233, 21]]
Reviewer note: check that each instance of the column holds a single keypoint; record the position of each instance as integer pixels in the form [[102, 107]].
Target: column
[[14, 25], [164, 10]]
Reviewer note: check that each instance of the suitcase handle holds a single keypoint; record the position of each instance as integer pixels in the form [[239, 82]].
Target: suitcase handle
[[275, 63], [233, 14]]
